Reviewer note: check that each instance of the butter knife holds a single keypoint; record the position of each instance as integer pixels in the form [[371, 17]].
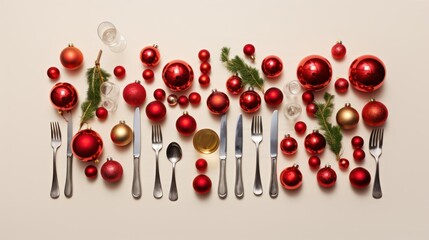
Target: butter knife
[[222, 189], [68, 189], [274, 188], [239, 190], [136, 189]]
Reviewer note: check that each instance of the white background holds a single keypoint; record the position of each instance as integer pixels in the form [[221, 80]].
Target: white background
[[34, 33]]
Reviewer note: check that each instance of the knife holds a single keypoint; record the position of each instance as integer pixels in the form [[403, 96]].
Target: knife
[[68, 189], [239, 190], [222, 190], [274, 188], [136, 189]]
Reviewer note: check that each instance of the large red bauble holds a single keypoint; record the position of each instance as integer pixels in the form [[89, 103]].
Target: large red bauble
[[374, 113], [111, 171], [119, 72], [218, 102], [315, 142], [53, 73], [156, 111], [134, 94], [91, 171], [202, 184], [314, 72], [64, 96], [150, 56], [234, 85], [177, 75], [359, 177], [300, 127], [204, 55], [291, 178], [288, 145], [186, 124], [159, 94], [250, 101], [71, 57], [194, 98], [338, 51], [326, 177], [273, 97], [272, 66], [87, 145], [367, 73]]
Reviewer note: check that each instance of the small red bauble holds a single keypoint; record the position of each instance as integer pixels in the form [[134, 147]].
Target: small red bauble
[[150, 56], [374, 113], [111, 171], [338, 51], [234, 85], [341, 85], [183, 101], [177, 75], [87, 145], [186, 124], [249, 50], [91, 171], [343, 164], [250, 101], [71, 57], [300, 127], [315, 142], [314, 72], [159, 94], [194, 98], [314, 162], [205, 67], [134, 94], [291, 178], [204, 80], [367, 73], [101, 113], [156, 111], [148, 75], [326, 177], [357, 142], [218, 102], [359, 154], [64, 96], [360, 177], [119, 72], [53, 73], [201, 165], [272, 66], [273, 97], [172, 100], [202, 184], [311, 109], [288, 145], [204, 55], [307, 97]]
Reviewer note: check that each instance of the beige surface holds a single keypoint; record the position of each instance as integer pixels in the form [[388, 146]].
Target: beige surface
[[34, 33]]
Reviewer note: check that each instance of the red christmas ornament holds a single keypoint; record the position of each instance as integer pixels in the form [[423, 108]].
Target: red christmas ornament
[[249, 50], [314, 72], [250, 101], [87, 145], [273, 96], [338, 51], [186, 124], [156, 111], [119, 72], [183, 101], [343, 164], [53, 73], [134, 94], [202, 184], [194, 98], [272, 66], [204, 80], [101, 113], [159, 94], [91, 171], [359, 155], [291, 178], [315, 142], [366, 73], [148, 75], [172, 100], [111, 171], [150, 56], [64, 96], [300, 127], [374, 113], [326, 177], [218, 102], [204, 55], [357, 142], [314, 162], [177, 75], [201, 165], [71, 57], [311, 109], [307, 97], [341, 85], [288, 145], [234, 85], [359, 177], [205, 67]]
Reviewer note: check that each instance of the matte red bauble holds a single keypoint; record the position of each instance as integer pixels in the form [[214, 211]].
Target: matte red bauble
[[202, 184], [300, 127], [134, 94], [314, 72], [288, 145], [311, 109], [273, 97], [338, 51], [234, 85], [249, 50], [148, 75], [314, 162], [374, 113], [186, 124], [64, 96], [111, 171], [357, 142], [204, 55], [341, 85], [307, 97], [201, 164], [326, 177], [87, 145], [291, 178], [218, 102], [315, 142], [150, 56], [359, 177], [194, 98], [53, 73], [205, 67], [91, 171], [183, 101], [177, 75], [156, 111], [71, 57], [359, 154], [101, 113], [367, 73], [272, 66], [250, 101], [159, 94], [204, 80], [343, 163], [119, 72]]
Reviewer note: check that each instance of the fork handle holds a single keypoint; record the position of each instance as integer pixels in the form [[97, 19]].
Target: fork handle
[[274, 186], [376, 191], [55, 190], [239, 190], [157, 190], [68, 190], [257, 186], [136, 189]]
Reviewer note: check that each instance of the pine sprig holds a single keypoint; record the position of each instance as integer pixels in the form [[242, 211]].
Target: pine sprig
[[249, 75], [332, 133]]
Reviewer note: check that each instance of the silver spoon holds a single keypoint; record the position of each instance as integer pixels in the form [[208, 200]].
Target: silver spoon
[[174, 154]]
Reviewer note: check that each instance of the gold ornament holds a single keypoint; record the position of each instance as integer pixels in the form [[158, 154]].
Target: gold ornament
[[347, 117], [121, 134]]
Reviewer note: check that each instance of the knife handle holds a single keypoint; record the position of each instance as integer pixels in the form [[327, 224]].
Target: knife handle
[[239, 190], [222, 190], [136, 189], [68, 189], [274, 186]]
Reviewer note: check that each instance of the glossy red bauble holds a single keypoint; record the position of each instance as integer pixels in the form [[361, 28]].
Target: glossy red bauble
[[64, 96], [201, 164], [156, 111], [111, 171], [194, 98], [53, 73], [101, 113], [314, 162], [341, 85], [359, 154], [314, 72], [249, 50], [202, 184], [71, 57], [367, 73], [326, 177], [311, 109], [250, 101], [186, 124], [150, 56], [273, 97], [159, 94], [204, 55], [177, 75], [148, 75], [119, 72], [307, 97], [134, 94], [91, 171], [360, 177], [357, 142], [234, 85], [272, 66], [291, 178], [338, 51], [288, 145], [374, 113], [205, 67], [300, 127], [204, 80], [87, 145], [343, 164], [183, 101], [315, 142], [218, 102]]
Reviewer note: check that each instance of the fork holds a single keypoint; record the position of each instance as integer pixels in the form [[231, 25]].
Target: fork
[[157, 146], [375, 146], [257, 139], [55, 143]]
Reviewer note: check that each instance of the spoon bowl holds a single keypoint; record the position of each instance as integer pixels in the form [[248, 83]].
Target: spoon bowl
[[174, 154]]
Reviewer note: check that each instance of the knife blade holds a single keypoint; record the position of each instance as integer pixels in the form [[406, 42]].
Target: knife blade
[[274, 189], [136, 188], [239, 190], [68, 189], [222, 189]]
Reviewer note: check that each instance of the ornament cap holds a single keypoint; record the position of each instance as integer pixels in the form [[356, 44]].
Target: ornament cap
[[109, 158], [372, 100], [327, 166], [347, 105], [315, 131], [122, 122], [185, 113], [137, 81], [296, 165], [214, 90], [287, 135], [155, 45], [250, 89], [71, 45]]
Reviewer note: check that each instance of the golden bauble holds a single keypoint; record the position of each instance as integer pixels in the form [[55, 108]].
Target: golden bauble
[[347, 117], [121, 134]]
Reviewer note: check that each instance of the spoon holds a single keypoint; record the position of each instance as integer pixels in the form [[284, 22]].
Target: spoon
[[174, 154]]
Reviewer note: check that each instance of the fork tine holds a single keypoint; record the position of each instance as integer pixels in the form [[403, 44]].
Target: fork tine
[[153, 133], [160, 133], [260, 124], [371, 139], [380, 143], [59, 131], [156, 133], [52, 131], [253, 124]]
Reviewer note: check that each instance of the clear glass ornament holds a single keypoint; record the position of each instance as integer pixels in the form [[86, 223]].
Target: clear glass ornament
[[292, 110], [292, 88], [110, 36], [109, 96]]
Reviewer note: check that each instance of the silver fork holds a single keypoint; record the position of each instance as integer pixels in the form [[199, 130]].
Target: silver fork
[[157, 146], [55, 143], [257, 139], [375, 146]]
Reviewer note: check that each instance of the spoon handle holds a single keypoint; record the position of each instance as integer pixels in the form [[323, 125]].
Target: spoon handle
[[173, 196]]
